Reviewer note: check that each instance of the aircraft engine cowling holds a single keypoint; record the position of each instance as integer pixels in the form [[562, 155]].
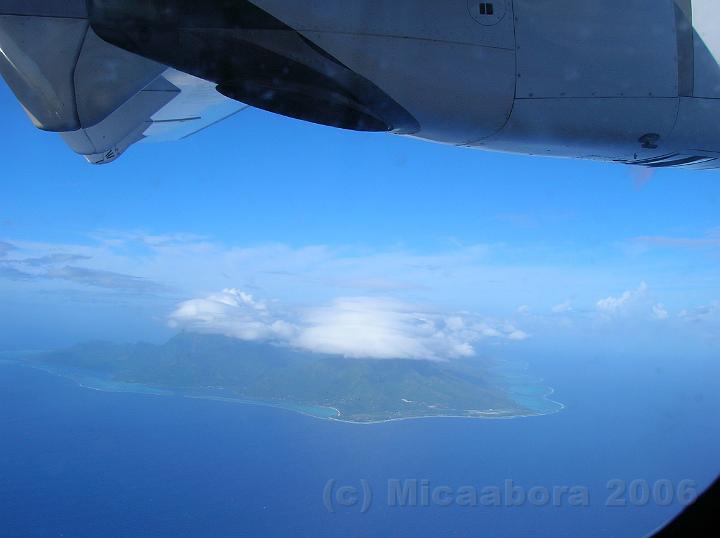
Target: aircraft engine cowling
[[252, 57]]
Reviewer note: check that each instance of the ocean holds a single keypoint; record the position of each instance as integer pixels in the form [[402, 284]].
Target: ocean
[[635, 439]]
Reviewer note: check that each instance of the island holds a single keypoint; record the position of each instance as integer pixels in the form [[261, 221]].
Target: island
[[324, 386]]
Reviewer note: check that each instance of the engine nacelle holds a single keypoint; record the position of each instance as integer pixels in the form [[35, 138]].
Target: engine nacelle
[[252, 57], [631, 81]]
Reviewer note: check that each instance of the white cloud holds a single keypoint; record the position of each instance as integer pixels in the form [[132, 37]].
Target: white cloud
[[702, 313], [231, 313], [356, 327], [518, 335], [5, 248], [615, 305], [710, 239], [523, 310], [115, 237], [105, 279], [563, 308], [660, 312]]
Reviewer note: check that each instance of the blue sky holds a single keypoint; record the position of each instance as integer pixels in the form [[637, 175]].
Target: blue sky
[[309, 220]]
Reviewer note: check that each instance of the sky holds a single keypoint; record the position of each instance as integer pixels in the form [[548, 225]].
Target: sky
[[266, 228]]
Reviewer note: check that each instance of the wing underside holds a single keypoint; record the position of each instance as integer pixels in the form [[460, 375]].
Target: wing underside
[[172, 107], [100, 98]]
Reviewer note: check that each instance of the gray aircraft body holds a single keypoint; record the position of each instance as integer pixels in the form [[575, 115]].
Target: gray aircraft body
[[629, 81]]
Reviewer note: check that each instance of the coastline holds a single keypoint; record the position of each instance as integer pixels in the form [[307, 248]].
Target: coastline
[[96, 383]]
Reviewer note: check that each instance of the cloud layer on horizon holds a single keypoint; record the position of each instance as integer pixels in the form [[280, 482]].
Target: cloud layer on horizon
[[55, 265], [350, 287]]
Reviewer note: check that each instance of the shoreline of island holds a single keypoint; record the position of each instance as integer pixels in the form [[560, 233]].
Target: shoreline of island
[[148, 390]]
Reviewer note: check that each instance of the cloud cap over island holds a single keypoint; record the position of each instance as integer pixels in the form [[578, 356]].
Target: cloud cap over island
[[353, 327]]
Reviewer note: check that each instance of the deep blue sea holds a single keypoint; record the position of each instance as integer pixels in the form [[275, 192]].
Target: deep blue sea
[[82, 463]]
